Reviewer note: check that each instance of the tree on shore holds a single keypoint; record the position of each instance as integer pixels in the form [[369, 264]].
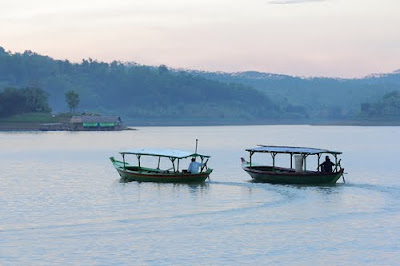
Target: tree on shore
[[36, 100], [72, 99], [15, 101]]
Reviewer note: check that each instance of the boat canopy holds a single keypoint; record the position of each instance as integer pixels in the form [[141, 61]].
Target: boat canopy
[[178, 154], [291, 150]]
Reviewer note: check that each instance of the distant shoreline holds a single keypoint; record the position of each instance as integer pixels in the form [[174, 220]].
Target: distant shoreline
[[32, 126], [132, 123]]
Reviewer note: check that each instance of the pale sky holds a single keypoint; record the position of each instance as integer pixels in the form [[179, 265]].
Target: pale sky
[[331, 38]]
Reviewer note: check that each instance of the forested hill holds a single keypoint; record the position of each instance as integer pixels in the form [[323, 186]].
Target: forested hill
[[316, 98], [158, 95], [135, 92]]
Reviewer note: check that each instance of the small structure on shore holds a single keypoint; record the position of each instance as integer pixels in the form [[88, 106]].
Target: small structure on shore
[[54, 127], [95, 123]]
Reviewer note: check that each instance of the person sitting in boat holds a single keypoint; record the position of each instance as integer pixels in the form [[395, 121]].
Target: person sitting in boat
[[327, 165], [194, 166]]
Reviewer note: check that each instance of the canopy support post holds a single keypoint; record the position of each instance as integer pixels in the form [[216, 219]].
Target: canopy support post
[[138, 157], [173, 163], [273, 154], [205, 164], [123, 159], [319, 160], [291, 160], [335, 162]]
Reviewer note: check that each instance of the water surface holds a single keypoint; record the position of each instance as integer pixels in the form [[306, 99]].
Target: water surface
[[62, 202]]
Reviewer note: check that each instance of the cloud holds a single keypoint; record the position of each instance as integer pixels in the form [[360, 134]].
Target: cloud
[[288, 2]]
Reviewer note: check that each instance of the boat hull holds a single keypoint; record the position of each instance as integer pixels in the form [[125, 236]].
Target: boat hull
[[288, 176], [129, 174]]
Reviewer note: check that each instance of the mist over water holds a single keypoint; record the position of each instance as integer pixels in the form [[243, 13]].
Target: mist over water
[[62, 202]]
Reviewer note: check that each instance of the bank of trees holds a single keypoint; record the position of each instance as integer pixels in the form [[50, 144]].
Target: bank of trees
[[15, 101], [388, 107], [134, 91], [148, 92]]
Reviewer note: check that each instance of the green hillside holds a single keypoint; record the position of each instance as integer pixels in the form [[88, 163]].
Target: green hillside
[[159, 95], [316, 98], [135, 92]]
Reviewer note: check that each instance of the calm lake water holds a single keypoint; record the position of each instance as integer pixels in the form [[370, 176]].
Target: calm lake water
[[62, 202]]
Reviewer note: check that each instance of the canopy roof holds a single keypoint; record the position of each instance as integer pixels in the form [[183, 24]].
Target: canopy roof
[[164, 153], [292, 150], [94, 119]]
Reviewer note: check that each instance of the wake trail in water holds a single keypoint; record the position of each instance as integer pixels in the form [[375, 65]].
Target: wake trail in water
[[394, 191]]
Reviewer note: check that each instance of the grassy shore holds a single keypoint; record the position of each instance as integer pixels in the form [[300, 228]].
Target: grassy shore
[[35, 122], [31, 121]]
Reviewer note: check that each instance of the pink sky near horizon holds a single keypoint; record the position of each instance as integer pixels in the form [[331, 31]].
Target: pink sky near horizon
[[331, 38]]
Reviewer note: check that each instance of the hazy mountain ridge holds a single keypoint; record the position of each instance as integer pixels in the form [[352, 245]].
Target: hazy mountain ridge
[[317, 97], [139, 92]]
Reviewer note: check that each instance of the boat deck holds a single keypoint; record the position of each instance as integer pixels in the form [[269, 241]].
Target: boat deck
[[280, 170], [145, 170]]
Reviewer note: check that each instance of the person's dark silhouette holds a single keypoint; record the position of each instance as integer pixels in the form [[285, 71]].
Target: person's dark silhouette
[[327, 165]]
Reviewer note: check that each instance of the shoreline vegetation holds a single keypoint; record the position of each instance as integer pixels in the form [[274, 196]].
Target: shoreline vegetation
[[51, 122], [32, 84], [37, 122]]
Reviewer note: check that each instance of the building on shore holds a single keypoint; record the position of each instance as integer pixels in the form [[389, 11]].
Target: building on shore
[[54, 127], [95, 123]]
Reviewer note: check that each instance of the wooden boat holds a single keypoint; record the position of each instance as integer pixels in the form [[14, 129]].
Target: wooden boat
[[129, 172], [297, 175]]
